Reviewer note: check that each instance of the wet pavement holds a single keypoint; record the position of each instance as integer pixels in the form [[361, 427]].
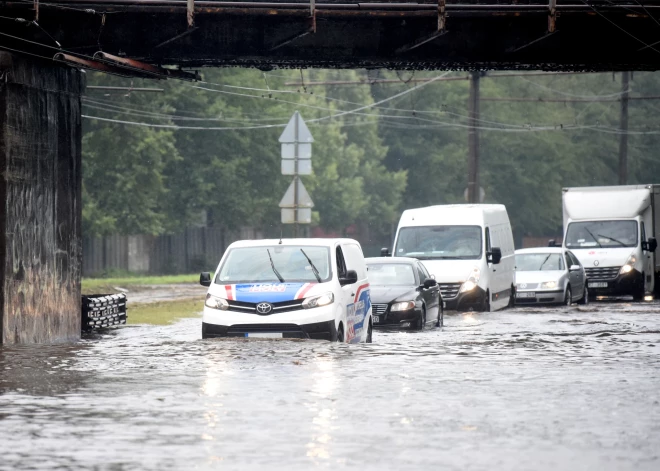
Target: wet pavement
[[525, 389]]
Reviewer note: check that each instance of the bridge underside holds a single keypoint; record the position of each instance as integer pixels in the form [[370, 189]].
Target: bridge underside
[[575, 35]]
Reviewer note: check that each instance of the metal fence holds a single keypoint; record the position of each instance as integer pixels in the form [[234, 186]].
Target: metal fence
[[195, 249]]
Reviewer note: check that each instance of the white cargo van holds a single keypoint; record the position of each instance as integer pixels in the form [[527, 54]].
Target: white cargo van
[[289, 288], [612, 230], [468, 248]]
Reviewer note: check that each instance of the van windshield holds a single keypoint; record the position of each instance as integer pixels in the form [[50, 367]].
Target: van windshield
[[604, 234], [253, 264], [439, 242]]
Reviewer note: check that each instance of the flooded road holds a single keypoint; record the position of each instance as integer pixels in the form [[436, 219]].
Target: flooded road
[[525, 389]]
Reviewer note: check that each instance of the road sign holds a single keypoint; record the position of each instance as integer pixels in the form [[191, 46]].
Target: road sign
[[296, 143], [304, 167], [304, 216], [304, 200], [291, 134]]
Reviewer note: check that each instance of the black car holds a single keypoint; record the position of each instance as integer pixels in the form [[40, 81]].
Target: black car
[[403, 294]]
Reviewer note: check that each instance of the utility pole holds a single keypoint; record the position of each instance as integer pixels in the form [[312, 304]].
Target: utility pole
[[295, 178], [623, 137], [473, 139]]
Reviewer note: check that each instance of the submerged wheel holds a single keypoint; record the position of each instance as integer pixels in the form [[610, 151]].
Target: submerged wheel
[[370, 332], [568, 297], [638, 294], [486, 304], [585, 296], [441, 316], [340, 333], [421, 323]]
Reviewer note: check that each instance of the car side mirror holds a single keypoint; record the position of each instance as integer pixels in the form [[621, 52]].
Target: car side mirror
[[650, 245], [429, 283], [552, 243], [574, 268], [349, 279], [385, 252], [494, 256], [205, 278]]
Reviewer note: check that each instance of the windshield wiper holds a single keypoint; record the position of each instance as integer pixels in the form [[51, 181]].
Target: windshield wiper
[[593, 237], [613, 240], [279, 277], [316, 272], [546, 259]]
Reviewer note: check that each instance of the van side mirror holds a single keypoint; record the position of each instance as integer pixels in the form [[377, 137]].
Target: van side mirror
[[205, 278], [429, 283], [349, 279], [385, 252], [494, 256], [650, 245], [574, 268]]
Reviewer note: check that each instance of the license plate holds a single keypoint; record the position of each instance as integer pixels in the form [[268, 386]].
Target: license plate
[[376, 319], [598, 285], [264, 335], [526, 295]]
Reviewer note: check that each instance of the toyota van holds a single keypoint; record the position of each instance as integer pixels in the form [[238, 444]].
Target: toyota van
[[289, 288]]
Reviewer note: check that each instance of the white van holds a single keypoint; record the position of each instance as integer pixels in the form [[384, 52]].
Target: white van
[[467, 247], [289, 288]]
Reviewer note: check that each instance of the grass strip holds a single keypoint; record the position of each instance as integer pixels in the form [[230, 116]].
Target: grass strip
[[110, 285], [163, 313]]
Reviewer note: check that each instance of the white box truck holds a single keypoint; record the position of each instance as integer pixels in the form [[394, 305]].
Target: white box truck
[[612, 230]]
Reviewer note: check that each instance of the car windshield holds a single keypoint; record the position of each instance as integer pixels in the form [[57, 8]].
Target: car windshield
[[539, 262], [390, 274], [602, 234], [289, 264], [439, 242]]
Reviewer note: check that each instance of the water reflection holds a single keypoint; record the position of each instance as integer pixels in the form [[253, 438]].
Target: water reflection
[[565, 388]]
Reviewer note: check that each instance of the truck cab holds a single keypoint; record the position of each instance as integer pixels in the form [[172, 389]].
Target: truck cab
[[612, 231]]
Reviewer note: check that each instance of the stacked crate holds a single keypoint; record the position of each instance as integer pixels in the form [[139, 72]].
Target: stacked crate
[[103, 310]]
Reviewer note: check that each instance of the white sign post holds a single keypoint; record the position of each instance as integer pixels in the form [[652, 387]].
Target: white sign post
[[296, 143]]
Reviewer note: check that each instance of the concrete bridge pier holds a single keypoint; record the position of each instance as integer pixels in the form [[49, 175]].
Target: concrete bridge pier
[[40, 201]]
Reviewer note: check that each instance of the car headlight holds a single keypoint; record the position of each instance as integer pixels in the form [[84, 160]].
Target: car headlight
[[548, 285], [318, 301], [216, 303], [402, 306], [472, 280], [628, 267]]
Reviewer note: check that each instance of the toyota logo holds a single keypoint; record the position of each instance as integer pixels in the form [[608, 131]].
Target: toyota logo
[[596, 263], [264, 308]]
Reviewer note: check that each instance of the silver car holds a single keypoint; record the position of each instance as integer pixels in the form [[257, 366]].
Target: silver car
[[550, 275]]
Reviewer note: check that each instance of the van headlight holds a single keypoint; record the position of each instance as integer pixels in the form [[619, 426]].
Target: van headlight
[[216, 303], [318, 301], [472, 281], [548, 285], [404, 306], [628, 267]]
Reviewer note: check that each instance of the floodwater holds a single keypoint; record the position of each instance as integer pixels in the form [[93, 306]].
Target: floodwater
[[525, 389]]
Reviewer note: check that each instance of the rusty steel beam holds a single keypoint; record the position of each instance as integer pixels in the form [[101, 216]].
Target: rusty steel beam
[[143, 67], [79, 62]]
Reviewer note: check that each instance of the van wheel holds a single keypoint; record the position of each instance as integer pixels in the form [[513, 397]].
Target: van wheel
[[486, 304], [421, 323], [340, 333], [370, 332], [638, 294], [585, 296], [568, 297], [512, 297]]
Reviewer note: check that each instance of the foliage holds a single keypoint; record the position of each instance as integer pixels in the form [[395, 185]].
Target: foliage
[[373, 155]]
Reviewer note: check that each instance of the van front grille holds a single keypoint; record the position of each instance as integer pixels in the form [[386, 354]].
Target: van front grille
[[602, 273], [449, 290]]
